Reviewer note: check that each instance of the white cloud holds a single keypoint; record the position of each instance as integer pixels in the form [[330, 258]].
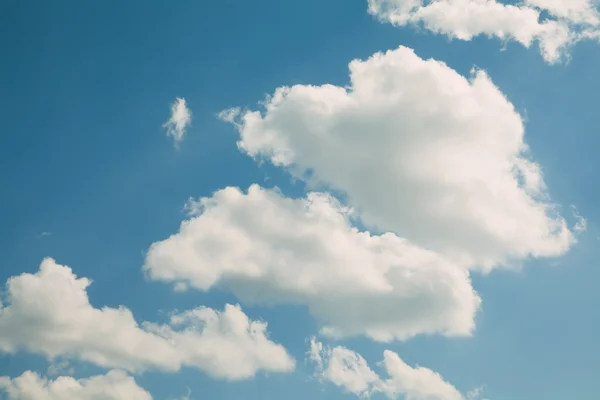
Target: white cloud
[[60, 367], [568, 21], [187, 396], [225, 344], [351, 372], [581, 223], [49, 313], [268, 249], [181, 118], [115, 385], [476, 394], [575, 11], [419, 150]]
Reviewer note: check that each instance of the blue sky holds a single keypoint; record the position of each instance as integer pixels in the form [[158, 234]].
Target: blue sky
[[86, 89]]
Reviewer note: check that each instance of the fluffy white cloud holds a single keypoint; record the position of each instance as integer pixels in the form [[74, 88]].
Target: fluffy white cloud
[[351, 372], [225, 345], [49, 313], [419, 150], [115, 385], [576, 11], [464, 19], [268, 249], [181, 118]]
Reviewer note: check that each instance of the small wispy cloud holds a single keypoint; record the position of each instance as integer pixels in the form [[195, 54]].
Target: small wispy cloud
[[60, 367], [229, 115], [44, 234], [581, 222], [186, 396], [181, 119], [476, 394]]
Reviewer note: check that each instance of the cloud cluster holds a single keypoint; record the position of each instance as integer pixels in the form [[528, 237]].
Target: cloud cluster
[[553, 24], [435, 160], [49, 313], [180, 120], [351, 372], [419, 150], [115, 385], [270, 249]]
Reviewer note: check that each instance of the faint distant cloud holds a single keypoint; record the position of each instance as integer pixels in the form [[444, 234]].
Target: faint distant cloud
[[476, 394], [581, 224], [60, 367], [229, 115], [186, 396], [44, 234], [181, 119], [181, 287]]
